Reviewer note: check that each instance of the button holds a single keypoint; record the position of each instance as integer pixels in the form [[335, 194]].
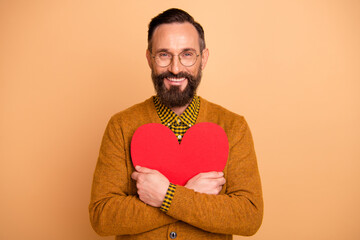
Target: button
[[173, 235], [168, 124], [189, 125], [178, 120], [179, 137]]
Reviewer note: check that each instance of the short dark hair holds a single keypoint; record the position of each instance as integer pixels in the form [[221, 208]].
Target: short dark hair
[[175, 15]]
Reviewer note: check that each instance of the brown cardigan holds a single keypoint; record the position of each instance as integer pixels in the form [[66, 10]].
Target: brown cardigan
[[115, 209]]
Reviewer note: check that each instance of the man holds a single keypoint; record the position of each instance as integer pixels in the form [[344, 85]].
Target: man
[[141, 203]]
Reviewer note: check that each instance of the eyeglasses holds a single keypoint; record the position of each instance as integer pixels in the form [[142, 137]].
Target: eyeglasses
[[186, 58]]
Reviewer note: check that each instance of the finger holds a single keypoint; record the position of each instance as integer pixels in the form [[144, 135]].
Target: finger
[[144, 169], [212, 174], [218, 181], [222, 181], [135, 175]]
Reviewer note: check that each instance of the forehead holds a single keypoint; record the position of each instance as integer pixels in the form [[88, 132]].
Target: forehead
[[175, 37]]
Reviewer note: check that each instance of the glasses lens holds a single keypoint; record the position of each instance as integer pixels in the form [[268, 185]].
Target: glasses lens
[[188, 58], [163, 59]]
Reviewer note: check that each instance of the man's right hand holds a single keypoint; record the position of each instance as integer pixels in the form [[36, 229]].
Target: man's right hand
[[209, 182]]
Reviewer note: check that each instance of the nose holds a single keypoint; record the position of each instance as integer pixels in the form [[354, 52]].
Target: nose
[[175, 65]]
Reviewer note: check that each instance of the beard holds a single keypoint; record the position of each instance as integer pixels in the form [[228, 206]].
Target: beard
[[174, 97]]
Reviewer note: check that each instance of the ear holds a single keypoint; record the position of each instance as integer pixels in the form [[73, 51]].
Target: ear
[[148, 57], [204, 58]]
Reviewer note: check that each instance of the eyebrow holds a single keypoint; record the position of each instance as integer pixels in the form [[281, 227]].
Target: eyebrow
[[167, 50]]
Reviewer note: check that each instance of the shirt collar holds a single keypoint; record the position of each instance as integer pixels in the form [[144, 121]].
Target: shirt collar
[[168, 117]]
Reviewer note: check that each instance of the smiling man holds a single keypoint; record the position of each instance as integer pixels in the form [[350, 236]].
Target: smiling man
[[141, 203], [176, 78]]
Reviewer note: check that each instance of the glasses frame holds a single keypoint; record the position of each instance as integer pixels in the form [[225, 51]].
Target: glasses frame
[[178, 55]]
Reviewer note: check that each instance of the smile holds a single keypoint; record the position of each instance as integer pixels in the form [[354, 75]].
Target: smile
[[176, 79]]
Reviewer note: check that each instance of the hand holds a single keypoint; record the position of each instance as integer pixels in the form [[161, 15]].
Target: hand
[[209, 182], [151, 185]]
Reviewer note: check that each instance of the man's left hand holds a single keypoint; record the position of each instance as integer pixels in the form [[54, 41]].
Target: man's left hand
[[151, 185]]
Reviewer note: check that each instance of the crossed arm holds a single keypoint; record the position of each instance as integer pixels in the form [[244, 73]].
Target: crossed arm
[[152, 185]]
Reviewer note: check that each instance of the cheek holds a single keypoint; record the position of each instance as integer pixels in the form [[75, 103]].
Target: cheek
[[158, 70], [194, 72], [196, 68], [155, 70]]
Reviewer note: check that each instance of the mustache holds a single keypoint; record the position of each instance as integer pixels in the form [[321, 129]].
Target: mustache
[[174, 97], [172, 75]]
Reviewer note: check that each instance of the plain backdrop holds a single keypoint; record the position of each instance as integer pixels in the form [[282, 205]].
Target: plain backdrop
[[291, 67]]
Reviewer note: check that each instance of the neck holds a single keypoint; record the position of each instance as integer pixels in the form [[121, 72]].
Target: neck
[[179, 110]]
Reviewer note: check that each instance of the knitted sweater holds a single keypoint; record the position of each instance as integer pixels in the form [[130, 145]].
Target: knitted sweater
[[115, 208]]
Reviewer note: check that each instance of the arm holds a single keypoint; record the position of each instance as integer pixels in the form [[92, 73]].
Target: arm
[[239, 209], [152, 185], [114, 208]]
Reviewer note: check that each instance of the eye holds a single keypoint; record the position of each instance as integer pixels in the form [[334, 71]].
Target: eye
[[163, 55], [187, 54]]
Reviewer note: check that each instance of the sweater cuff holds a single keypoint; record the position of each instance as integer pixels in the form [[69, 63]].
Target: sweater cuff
[[168, 198]]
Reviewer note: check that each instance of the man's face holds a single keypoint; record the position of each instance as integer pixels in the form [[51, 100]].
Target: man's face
[[176, 84]]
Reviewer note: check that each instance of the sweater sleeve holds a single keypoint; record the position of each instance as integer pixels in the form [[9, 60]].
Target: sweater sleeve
[[238, 210], [114, 209]]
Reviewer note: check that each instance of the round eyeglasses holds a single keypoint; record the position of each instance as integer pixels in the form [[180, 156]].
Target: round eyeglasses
[[186, 58]]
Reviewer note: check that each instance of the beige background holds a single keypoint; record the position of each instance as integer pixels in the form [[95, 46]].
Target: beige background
[[291, 67]]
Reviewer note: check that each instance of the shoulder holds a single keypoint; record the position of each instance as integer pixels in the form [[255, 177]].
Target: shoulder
[[233, 124], [128, 120], [137, 111], [217, 113]]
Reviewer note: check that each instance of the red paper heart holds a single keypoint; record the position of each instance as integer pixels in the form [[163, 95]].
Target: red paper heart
[[204, 148]]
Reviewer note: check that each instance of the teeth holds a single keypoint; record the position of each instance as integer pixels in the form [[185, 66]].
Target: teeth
[[176, 79]]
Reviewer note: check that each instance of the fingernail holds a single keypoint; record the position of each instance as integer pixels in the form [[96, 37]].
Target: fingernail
[[221, 173]]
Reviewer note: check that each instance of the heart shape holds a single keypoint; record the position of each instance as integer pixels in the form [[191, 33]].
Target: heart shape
[[203, 148]]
